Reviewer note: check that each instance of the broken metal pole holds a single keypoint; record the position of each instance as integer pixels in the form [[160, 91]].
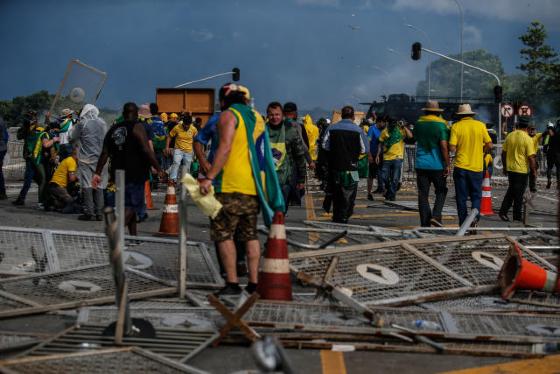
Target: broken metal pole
[[119, 276], [183, 221], [119, 204], [468, 221]]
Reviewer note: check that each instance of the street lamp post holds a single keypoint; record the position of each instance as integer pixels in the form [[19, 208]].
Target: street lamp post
[[462, 27], [429, 63], [417, 47]]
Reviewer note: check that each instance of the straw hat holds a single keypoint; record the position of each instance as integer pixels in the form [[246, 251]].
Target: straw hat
[[432, 106], [465, 109]]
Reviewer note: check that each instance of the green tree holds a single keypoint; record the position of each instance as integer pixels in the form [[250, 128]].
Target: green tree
[[445, 80], [539, 62], [13, 111]]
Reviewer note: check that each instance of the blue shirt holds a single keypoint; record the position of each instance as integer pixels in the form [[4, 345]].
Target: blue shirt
[[209, 133], [373, 135]]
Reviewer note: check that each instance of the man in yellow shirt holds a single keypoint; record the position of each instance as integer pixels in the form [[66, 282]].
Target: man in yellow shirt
[[518, 158], [536, 138], [64, 174], [392, 147], [469, 140], [184, 132]]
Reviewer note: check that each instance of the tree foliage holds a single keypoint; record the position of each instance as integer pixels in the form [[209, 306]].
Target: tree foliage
[[540, 63], [13, 110], [446, 76]]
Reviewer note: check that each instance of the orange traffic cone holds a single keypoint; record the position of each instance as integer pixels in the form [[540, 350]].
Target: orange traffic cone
[[518, 273], [148, 196], [169, 225], [274, 279], [486, 202]]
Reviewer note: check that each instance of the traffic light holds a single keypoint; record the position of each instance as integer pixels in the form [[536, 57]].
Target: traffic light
[[416, 51], [236, 74], [498, 94]]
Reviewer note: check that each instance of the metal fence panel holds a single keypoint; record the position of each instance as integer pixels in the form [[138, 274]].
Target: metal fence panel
[[381, 276], [69, 289], [33, 250], [117, 360], [175, 345]]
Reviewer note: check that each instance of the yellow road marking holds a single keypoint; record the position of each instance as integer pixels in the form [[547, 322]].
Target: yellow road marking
[[312, 237], [547, 365], [332, 362]]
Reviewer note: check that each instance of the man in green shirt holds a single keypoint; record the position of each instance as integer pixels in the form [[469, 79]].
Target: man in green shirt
[[288, 150]]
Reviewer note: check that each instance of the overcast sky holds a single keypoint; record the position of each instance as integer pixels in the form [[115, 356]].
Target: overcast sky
[[322, 53]]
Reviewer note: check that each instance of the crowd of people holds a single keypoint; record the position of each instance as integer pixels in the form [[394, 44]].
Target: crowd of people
[[260, 163]]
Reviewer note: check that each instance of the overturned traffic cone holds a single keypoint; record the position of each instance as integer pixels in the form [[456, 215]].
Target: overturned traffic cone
[[274, 278], [148, 196], [169, 225], [486, 202], [518, 273]]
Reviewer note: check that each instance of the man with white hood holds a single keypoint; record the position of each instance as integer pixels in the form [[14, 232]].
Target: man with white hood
[[88, 135]]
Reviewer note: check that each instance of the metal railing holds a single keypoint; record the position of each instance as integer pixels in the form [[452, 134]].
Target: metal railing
[[409, 163]]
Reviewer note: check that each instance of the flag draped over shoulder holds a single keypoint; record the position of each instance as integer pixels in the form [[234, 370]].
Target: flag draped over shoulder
[[262, 163]]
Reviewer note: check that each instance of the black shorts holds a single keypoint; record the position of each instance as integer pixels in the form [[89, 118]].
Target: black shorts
[[134, 196]]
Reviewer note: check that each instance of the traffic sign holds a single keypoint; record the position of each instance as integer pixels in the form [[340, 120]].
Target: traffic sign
[[507, 110], [525, 110]]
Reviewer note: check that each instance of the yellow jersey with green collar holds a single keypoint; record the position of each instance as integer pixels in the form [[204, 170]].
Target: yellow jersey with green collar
[[237, 174]]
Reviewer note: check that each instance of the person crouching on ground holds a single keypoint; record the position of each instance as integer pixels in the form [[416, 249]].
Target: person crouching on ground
[[64, 174]]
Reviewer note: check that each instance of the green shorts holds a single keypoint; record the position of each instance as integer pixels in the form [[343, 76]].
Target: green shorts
[[238, 217]]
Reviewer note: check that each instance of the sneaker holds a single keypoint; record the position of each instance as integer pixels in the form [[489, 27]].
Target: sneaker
[[230, 289], [251, 288], [86, 217], [503, 217], [370, 197], [18, 202], [436, 222]]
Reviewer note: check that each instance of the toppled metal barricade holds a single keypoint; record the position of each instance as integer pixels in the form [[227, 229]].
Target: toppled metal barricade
[[413, 271], [175, 345], [89, 285], [25, 251], [116, 360]]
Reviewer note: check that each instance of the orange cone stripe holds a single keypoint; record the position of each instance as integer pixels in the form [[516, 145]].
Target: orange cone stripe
[[276, 266]]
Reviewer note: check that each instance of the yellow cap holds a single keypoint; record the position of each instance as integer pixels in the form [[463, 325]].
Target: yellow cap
[[163, 117], [173, 115]]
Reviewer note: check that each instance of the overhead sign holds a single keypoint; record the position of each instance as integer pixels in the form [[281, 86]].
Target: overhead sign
[[507, 110], [525, 110]]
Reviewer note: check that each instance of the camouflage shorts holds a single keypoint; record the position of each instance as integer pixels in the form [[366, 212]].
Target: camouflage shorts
[[238, 216]]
